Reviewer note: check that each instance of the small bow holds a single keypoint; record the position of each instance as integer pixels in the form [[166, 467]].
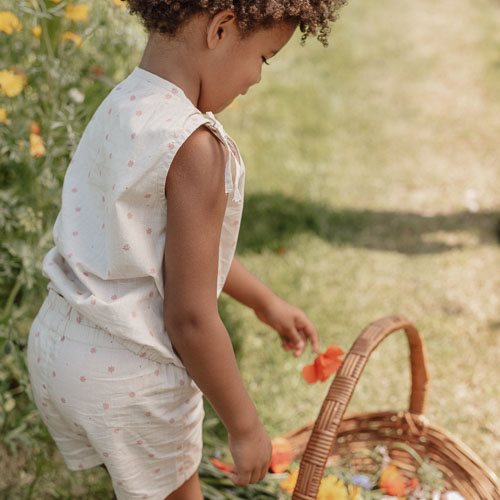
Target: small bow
[[239, 170]]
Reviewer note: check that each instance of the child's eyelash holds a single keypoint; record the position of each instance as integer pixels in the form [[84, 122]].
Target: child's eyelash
[[265, 60]]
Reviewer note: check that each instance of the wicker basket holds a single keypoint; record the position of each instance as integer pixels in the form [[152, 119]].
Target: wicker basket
[[332, 436]]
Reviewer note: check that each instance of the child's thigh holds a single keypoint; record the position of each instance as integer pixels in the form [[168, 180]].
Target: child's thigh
[[105, 404]]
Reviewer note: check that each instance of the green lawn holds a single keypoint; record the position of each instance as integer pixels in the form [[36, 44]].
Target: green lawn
[[374, 164]]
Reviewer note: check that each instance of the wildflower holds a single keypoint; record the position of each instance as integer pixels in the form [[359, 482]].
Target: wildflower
[[392, 482], [333, 488], [11, 82], [3, 115], [73, 37], [119, 3], [288, 484], [282, 454], [324, 365], [9, 22], [221, 465], [37, 147], [77, 12], [76, 95], [362, 480], [35, 128], [36, 31], [97, 70]]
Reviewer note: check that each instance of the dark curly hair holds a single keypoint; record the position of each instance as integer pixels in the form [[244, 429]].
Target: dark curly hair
[[312, 16]]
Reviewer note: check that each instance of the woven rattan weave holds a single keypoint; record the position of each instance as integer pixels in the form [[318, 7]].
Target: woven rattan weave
[[332, 435]]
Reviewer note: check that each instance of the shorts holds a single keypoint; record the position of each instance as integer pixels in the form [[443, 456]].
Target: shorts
[[103, 403]]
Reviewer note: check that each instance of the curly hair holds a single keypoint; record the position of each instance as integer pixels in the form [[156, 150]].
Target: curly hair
[[312, 16]]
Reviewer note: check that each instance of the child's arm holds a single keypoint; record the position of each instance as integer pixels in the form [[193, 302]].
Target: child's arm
[[196, 204], [291, 323], [246, 288]]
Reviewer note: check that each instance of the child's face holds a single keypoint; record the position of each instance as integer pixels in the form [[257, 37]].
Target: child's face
[[234, 65]]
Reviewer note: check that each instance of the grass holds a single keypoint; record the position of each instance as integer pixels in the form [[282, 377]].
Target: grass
[[372, 189]]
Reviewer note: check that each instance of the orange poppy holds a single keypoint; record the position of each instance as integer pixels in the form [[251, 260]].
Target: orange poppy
[[324, 365], [221, 465], [282, 455], [281, 458], [392, 482]]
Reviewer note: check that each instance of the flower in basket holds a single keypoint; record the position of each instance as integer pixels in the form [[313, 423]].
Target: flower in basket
[[288, 484], [324, 365], [362, 480], [392, 481], [333, 488], [282, 454], [281, 458]]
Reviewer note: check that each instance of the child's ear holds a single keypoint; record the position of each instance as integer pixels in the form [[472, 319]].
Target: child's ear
[[219, 26]]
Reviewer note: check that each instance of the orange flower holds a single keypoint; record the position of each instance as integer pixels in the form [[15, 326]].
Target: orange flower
[[413, 484], [35, 128], [282, 454], [221, 465], [97, 70], [324, 365], [37, 147], [392, 482]]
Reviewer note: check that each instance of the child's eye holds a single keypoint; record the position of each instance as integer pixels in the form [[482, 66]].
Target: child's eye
[[264, 60]]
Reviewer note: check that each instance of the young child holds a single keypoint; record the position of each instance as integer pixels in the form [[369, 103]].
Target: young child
[[129, 337]]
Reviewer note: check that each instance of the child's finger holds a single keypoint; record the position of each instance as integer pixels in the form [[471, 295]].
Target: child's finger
[[311, 332]]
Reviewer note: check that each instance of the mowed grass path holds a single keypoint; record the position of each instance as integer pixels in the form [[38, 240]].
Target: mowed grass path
[[373, 178]]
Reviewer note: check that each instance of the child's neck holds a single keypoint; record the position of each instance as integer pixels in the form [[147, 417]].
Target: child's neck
[[174, 62]]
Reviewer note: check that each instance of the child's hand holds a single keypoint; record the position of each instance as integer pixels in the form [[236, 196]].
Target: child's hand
[[291, 323]]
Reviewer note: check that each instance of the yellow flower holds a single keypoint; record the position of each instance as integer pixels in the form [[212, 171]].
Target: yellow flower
[[77, 12], [69, 35], [11, 83], [37, 147], [3, 115], [288, 484], [332, 488], [9, 22], [36, 31], [119, 3]]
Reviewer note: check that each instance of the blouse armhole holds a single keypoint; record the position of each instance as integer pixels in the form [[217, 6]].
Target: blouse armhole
[[183, 132]]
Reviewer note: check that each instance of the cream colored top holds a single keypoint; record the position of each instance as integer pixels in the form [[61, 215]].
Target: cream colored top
[[110, 232]]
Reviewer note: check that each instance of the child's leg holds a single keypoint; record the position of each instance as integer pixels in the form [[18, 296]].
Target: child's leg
[[190, 490]]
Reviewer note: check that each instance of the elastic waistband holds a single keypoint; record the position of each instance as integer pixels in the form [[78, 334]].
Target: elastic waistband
[[62, 318]]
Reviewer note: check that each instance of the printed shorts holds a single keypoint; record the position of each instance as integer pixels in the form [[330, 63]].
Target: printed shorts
[[105, 404]]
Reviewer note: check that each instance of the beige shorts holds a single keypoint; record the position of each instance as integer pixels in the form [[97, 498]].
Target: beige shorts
[[105, 404]]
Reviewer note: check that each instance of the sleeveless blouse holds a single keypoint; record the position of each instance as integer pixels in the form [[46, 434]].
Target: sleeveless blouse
[[109, 234]]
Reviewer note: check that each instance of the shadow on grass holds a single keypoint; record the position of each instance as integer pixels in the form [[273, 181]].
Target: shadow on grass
[[270, 220]]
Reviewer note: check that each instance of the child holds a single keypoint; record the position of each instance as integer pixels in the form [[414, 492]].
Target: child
[[129, 337]]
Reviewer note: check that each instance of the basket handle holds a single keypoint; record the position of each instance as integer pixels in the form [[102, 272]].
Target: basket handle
[[322, 438]]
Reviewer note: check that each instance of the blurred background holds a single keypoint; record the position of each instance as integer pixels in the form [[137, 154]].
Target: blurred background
[[372, 188]]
